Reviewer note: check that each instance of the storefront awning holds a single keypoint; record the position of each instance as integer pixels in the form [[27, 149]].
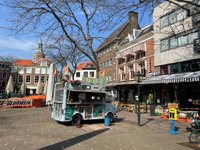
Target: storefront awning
[[173, 78], [121, 83]]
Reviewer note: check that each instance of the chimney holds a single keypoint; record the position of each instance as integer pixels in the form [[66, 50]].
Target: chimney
[[133, 21]]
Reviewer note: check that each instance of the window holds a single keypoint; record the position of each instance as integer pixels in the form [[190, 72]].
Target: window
[[28, 79], [182, 40], [36, 79], [175, 68], [178, 41], [192, 36], [1, 75], [37, 70], [172, 17], [42, 79], [13, 70], [164, 44], [14, 78], [21, 70], [47, 70], [43, 63], [3, 84], [110, 62], [28, 70], [43, 70], [85, 74], [78, 74], [122, 74], [131, 71], [181, 14], [20, 79], [91, 74], [4, 75], [130, 58], [173, 42], [164, 21]]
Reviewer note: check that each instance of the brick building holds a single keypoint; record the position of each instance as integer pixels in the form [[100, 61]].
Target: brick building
[[135, 55], [4, 75], [106, 52]]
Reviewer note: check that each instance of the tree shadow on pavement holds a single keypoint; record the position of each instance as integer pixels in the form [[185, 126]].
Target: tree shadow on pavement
[[70, 142], [148, 120], [190, 145]]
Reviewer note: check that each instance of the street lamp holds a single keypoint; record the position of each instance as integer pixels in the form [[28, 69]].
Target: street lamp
[[138, 98]]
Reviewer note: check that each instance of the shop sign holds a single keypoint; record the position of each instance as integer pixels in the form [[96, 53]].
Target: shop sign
[[15, 103], [173, 105], [194, 101]]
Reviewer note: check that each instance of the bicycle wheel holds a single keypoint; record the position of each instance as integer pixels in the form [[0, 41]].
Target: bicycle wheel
[[193, 137], [198, 137]]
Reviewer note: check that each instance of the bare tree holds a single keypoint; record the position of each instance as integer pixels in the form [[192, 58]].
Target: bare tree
[[64, 53], [8, 58], [77, 20]]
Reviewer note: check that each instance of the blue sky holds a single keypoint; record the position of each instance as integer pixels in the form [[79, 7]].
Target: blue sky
[[24, 45]]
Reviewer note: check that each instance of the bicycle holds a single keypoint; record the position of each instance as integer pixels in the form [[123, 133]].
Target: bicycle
[[194, 136]]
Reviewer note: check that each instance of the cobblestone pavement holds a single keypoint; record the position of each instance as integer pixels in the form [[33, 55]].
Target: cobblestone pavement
[[31, 129]]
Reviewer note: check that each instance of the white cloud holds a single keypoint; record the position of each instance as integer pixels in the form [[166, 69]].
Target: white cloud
[[12, 43], [21, 48]]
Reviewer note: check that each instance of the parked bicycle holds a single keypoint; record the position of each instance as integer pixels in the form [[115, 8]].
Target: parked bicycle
[[194, 136], [195, 122]]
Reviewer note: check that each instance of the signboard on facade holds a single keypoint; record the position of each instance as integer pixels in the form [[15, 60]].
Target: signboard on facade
[[173, 105], [99, 81], [190, 104]]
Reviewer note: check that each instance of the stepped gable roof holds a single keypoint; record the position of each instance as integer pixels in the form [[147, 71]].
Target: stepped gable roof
[[84, 65], [114, 35], [23, 62]]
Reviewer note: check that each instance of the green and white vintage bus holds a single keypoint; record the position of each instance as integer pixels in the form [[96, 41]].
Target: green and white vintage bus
[[86, 102]]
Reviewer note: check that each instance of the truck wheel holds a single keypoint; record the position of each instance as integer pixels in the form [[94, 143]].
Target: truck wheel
[[76, 120]]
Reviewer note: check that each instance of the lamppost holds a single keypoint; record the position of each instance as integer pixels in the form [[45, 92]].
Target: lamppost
[[138, 98]]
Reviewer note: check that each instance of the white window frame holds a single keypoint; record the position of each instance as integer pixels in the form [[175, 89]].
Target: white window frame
[[37, 70], [164, 46], [43, 70], [28, 70], [20, 77], [29, 79], [35, 79], [13, 69], [14, 78], [21, 70]]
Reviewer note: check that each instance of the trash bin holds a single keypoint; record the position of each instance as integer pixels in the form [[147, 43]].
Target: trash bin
[[152, 110], [107, 121]]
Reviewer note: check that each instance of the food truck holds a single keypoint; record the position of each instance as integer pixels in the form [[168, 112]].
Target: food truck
[[86, 102]]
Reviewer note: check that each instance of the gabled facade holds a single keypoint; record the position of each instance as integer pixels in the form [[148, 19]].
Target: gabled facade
[[135, 56], [30, 72], [106, 52], [85, 69]]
